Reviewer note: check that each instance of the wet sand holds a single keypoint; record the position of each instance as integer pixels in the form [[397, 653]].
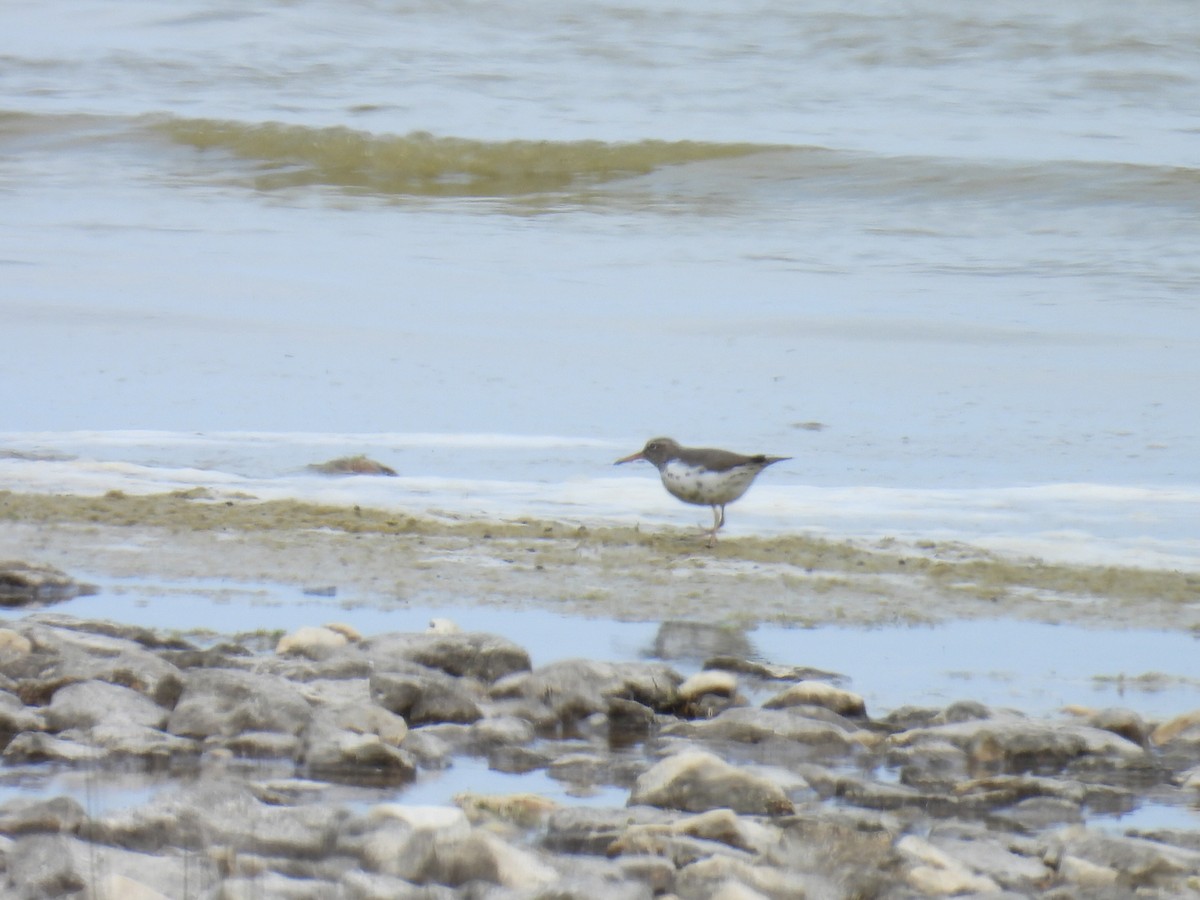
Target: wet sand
[[621, 573]]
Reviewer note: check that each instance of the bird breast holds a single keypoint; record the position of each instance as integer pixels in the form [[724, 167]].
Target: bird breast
[[694, 484]]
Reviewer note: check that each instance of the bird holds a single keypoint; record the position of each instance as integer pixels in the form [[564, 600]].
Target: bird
[[703, 475]]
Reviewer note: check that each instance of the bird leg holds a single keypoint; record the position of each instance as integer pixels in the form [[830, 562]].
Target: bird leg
[[718, 521]]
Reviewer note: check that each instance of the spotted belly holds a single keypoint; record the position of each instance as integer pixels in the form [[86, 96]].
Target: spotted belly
[[695, 484]]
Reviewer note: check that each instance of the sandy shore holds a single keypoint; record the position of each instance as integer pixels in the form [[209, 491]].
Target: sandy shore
[[621, 573]]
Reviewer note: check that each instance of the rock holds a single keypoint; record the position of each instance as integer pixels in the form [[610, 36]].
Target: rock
[[86, 704], [1017, 744], [26, 816], [962, 711], [360, 743], [723, 684], [63, 656], [33, 747], [442, 819], [523, 810], [454, 857], [570, 690], [483, 656], [256, 745], [222, 702], [133, 635], [735, 890], [429, 696], [985, 855], [818, 693], [59, 865], [930, 765], [1086, 874], [754, 726], [13, 645], [212, 813], [770, 672], [352, 465], [935, 872], [28, 584], [697, 640], [275, 886], [314, 642], [708, 693], [742, 878], [359, 885], [695, 781], [1141, 863], [500, 732], [1185, 726], [1124, 722], [141, 742], [720, 826], [593, 831], [121, 887], [15, 716]]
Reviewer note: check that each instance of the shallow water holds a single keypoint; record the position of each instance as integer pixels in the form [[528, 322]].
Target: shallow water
[[1036, 668]]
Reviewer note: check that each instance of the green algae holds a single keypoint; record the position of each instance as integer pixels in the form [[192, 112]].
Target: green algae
[[614, 570]]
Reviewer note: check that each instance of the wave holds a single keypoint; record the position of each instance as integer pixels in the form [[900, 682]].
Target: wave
[[274, 156], [422, 164]]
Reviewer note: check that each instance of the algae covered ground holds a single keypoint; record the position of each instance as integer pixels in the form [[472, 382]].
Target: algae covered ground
[[624, 573]]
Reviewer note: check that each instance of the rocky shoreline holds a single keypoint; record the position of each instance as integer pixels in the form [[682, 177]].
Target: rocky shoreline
[[287, 762]]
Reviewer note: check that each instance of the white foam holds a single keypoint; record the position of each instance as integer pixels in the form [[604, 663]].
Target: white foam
[[1084, 523]]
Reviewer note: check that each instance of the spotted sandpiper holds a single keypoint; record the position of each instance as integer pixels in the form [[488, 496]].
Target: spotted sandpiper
[[702, 475]]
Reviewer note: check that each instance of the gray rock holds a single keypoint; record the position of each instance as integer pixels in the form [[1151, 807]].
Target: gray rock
[[818, 693], [25, 815], [1016, 744], [137, 634], [483, 656], [1141, 863], [695, 781], [89, 703], [29, 584], [930, 766], [64, 655], [223, 702], [725, 877], [34, 746], [593, 830], [751, 725], [54, 866], [15, 716], [214, 813], [359, 743], [358, 885], [500, 732], [257, 745], [1125, 722], [275, 886], [771, 672], [454, 855], [427, 697], [142, 742], [567, 691], [987, 855]]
